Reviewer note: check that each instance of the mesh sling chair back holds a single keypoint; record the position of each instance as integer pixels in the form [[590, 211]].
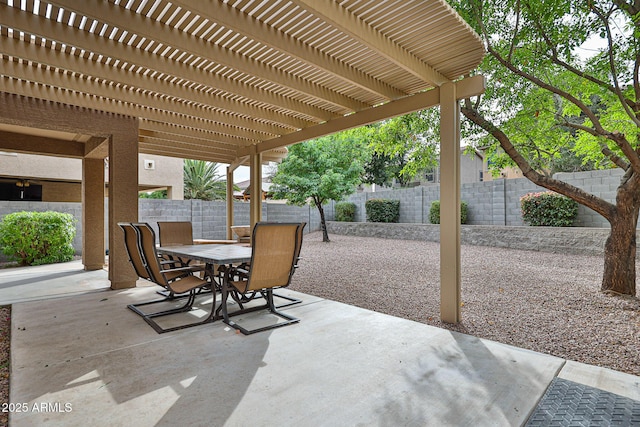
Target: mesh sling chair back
[[174, 233], [135, 256], [176, 280], [292, 300], [133, 251], [178, 233], [273, 259]]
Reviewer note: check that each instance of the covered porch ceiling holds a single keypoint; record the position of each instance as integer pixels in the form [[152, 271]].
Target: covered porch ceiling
[[229, 81], [221, 80]]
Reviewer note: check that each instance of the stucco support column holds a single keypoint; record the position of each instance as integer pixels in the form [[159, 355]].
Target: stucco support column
[[123, 202], [255, 207], [229, 202], [449, 204], [93, 230]]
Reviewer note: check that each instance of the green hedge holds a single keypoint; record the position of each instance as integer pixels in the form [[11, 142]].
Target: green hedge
[[382, 210], [35, 238], [434, 212], [548, 209], [345, 211]]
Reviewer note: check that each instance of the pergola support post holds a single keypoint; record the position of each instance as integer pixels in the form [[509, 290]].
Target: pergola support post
[[123, 202], [229, 201], [93, 245], [450, 300], [255, 206]]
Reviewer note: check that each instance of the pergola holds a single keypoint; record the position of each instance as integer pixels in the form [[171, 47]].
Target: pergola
[[230, 81]]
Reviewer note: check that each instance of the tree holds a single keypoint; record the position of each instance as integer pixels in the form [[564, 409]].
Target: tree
[[379, 169], [201, 181], [320, 170], [538, 83], [407, 144], [158, 194]]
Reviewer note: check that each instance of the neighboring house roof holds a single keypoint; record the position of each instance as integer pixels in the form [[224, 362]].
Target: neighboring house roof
[[245, 188]]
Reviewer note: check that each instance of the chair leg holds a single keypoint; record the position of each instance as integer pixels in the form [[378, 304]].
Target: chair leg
[[186, 307], [292, 300], [269, 305], [148, 317]]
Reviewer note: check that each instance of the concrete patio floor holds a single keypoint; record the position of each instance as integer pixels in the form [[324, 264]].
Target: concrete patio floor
[[88, 360]]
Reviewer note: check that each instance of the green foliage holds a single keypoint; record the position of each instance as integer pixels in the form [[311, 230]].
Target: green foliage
[[323, 169], [407, 144], [379, 170], [548, 209], [35, 238], [434, 212], [549, 77], [320, 170], [202, 181], [345, 211], [160, 194], [382, 210]]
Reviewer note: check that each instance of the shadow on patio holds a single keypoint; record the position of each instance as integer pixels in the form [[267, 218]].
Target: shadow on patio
[[91, 361]]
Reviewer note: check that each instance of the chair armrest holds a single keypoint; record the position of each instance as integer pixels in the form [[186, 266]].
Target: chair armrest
[[180, 272]]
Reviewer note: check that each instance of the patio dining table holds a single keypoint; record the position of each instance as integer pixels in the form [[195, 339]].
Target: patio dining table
[[218, 254], [213, 254]]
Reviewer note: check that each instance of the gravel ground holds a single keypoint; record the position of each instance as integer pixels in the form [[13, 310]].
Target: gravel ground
[[550, 303], [5, 339]]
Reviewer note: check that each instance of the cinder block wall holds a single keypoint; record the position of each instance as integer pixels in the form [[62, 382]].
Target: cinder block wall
[[573, 240], [495, 203]]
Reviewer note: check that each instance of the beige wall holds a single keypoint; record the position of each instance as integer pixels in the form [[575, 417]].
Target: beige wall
[[160, 171], [61, 191], [508, 173], [32, 166], [470, 167], [49, 171]]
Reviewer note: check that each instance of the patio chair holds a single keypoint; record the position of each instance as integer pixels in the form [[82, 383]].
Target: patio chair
[[273, 260], [133, 251], [135, 256], [175, 233], [297, 258], [246, 266], [177, 281]]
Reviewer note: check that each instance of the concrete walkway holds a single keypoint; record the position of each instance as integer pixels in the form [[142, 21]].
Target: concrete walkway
[[88, 360]]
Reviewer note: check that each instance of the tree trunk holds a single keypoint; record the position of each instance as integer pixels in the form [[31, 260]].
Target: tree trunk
[[620, 248], [323, 224]]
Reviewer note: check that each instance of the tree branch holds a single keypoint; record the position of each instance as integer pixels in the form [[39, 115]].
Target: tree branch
[[515, 30], [554, 57], [617, 160], [612, 65], [636, 81], [583, 107], [615, 136], [604, 208]]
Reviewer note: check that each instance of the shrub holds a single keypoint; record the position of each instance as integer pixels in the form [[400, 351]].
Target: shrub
[[345, 211], [434, 212], [548, 209], [382, 210], [35, 238]]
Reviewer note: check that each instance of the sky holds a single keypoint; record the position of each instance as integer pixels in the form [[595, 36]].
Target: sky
[[242, 172]]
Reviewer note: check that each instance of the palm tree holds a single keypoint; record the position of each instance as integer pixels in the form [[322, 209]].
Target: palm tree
[[201, 181]]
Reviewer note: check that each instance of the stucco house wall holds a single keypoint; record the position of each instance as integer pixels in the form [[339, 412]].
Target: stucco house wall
[[61, 177]]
